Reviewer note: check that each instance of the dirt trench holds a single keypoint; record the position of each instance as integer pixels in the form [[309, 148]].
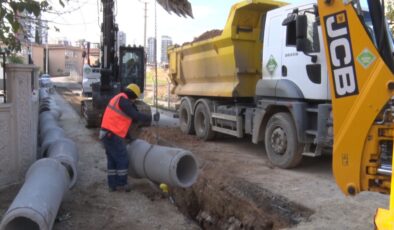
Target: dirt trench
[[220, 200]]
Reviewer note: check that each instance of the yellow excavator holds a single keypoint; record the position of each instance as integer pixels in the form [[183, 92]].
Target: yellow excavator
[[359, 52]]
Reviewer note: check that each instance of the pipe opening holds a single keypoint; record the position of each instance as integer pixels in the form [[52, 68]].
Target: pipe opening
[[186, 170], [22, 223]]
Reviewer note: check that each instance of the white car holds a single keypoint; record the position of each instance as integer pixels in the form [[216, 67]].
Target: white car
[[90, 75]]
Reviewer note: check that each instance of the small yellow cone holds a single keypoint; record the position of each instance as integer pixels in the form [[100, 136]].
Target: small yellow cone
[[164, 187]]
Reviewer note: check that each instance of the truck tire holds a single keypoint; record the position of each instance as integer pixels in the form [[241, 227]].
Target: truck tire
[[202, 123], [186, 118], [281, 142]]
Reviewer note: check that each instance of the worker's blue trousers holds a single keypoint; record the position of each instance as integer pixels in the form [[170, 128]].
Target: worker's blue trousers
[[117, 160]]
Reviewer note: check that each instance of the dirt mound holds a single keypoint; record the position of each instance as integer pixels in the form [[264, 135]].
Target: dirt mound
[[206, 35]]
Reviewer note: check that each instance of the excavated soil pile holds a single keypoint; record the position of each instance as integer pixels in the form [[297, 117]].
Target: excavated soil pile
[[206, 35]]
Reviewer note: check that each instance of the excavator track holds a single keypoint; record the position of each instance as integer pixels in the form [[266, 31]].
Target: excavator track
[[91, 116]]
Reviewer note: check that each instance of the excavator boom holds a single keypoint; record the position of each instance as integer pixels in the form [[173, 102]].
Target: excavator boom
[[179, 7], [358, 46]]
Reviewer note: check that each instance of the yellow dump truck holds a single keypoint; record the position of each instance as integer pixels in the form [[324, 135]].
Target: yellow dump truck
[[251, 80]]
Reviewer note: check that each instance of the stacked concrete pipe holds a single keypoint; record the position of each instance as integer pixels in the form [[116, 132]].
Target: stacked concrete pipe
[[173, 166], [48, 179], [37, 203]]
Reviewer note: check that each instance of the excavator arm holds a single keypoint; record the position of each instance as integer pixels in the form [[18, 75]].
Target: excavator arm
[[360, 63], [120, 67], [109, 31], [362, 84]]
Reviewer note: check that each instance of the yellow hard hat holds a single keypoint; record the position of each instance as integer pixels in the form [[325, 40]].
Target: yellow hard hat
[[135, 89]]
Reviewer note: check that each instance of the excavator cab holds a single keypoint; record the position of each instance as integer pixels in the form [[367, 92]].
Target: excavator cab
[[129, 69], [131, 66]]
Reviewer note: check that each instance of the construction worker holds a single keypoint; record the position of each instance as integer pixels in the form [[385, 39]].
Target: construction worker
[[120, 114]]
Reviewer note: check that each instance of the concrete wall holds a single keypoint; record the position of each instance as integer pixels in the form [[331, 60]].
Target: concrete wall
[[38, 57], [18, 123], [65, 61], [1, 74], [57, 62]]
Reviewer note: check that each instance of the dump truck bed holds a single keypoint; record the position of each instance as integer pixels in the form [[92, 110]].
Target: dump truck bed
[[228, 65]]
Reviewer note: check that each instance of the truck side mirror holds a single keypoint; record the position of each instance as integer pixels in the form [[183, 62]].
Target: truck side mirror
[[301, 32], [83, 54]]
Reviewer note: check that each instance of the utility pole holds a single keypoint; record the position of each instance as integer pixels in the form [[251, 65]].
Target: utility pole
[[46, 57], [145, 19], [145, 27]]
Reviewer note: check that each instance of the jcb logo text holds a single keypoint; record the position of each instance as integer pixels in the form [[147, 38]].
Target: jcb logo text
[[341, 55]]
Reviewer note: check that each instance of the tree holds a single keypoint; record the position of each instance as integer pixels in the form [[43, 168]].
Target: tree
[[13, 12], [390, 14]]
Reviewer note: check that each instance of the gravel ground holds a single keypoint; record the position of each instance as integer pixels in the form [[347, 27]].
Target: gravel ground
[[237, 188]]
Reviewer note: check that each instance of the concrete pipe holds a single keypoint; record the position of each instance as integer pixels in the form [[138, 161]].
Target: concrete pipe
[[43, 93], [46, 125], [50, 105], [46, 99], [56, 112], [49, 137], [46, 116], [36, 205], [65, 151], [173, 166]]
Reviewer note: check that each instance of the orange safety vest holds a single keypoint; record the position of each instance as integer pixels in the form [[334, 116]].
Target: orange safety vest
[[114, 119]]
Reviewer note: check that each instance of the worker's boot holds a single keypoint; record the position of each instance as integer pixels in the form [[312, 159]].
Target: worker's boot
[[124, 188]]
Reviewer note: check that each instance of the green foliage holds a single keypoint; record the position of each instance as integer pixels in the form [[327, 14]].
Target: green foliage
[[390, 14], [15, 59], [12, 12]]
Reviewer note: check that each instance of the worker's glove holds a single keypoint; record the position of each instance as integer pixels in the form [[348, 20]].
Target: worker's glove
[[156, 116]]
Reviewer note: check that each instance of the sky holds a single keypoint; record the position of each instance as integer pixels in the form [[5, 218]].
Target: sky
[[81, 20]]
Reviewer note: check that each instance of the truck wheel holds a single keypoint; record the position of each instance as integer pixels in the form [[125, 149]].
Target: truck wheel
[[186, 118], [202, 123], [281, 143]]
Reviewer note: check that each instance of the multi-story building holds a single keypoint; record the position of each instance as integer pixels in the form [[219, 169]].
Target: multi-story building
[[150, 50], [34, 30], [121, 39], [65, 60], [166, 41]]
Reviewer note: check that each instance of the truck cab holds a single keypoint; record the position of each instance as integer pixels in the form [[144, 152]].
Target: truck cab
[[295, 83], [283, 65]]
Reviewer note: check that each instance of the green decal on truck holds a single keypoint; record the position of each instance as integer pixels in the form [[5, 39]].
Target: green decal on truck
[[271, 65]]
